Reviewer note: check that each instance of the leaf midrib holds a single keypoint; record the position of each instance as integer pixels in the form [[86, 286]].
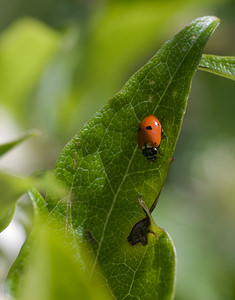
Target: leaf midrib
[[110, 211]]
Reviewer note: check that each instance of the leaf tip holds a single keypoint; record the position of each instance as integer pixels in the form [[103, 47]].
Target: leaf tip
[[209, 21]]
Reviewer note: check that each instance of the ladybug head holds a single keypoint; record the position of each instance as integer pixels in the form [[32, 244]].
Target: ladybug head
[[150, 153]]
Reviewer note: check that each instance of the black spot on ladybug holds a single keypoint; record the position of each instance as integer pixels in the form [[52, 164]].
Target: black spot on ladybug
[[149, 128], [139, 129]]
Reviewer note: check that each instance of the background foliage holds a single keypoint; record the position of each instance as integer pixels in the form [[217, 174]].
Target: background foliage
[[61, 60]]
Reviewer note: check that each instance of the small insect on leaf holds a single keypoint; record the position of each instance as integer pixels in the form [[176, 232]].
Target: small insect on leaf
[[149, 137]]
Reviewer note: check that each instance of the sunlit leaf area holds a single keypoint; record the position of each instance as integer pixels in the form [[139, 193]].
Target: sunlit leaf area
[[76, 79]]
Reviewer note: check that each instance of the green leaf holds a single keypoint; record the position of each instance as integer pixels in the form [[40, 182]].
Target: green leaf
[[220, 65], [14, 278], [53, 273], [4, 148], [48, 266], [106, 172], [38, 202]]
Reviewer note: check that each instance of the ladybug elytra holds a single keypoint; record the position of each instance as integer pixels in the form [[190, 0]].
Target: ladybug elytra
[[149, 137]]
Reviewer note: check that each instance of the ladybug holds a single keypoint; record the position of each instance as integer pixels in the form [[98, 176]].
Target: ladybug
[[149, 137]]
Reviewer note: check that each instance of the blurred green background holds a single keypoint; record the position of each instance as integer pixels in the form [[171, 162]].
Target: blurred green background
[[62, 60]]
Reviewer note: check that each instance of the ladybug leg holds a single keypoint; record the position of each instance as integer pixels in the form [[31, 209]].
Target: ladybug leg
[[163, 134]]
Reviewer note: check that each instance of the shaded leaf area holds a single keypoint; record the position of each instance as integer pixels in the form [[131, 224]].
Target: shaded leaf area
[[220, 65], [51, 257], [4, 148], [106, 172]]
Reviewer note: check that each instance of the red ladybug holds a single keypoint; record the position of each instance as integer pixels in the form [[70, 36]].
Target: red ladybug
[[149, 137]]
